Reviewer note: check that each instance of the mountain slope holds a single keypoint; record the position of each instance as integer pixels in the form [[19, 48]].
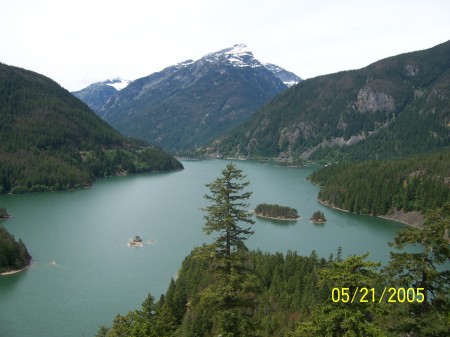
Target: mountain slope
[[51, 140], [97, 94], [190, 103], [287, 77], [395, 107]]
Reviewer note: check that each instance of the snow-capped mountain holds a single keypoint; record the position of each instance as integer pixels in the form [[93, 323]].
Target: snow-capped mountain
[[239, 56], [288, 78], [117, 83], [192, 102], [97, 94]]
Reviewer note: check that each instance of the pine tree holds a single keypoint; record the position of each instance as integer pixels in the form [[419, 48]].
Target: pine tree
[[340, 316], [227, 211], [422, 270], [229, 298]]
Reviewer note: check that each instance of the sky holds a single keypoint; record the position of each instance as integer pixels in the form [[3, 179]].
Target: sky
[[80, 42]]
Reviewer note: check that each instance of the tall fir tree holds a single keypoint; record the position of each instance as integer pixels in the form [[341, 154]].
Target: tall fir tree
[[424, 271], [229, 298], [226, 214]]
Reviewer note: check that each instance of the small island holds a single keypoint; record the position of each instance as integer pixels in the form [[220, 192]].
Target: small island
[[318, 218], [276, 212], [136, 242]]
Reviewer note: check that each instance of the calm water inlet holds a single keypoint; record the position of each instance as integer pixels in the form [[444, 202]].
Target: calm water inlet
[[83, 273]]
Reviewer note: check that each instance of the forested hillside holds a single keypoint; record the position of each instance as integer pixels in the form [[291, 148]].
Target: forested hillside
[[51, 140], [419, 183], [395, 107]]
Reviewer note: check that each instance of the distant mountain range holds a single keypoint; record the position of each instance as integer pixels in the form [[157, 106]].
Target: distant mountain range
[[97, 94], [50, 140], [190, 103], [395, 107]]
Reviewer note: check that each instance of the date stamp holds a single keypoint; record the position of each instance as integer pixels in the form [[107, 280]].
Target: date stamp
[[372, 295]]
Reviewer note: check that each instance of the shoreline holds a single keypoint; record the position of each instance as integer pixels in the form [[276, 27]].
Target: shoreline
[[12, 272], [315, 222], [397, 216], [273, 218]]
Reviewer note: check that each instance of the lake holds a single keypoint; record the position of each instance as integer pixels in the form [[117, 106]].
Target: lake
[[83, 273]]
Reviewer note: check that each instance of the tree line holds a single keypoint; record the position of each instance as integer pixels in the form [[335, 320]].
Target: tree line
[[420, 183], [224, 289]]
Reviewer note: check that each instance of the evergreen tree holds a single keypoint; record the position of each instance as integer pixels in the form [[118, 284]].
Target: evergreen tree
[[341, 315], [229, 298], [419, 269], [227, 211], [422, 271]]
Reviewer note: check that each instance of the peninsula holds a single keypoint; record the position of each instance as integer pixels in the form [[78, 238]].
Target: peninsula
[[277, 212], [15, 254]]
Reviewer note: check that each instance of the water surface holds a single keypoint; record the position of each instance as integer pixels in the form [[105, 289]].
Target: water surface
[[83, 273]]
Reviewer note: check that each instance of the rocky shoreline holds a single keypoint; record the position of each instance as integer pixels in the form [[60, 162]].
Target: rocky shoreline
[[12, 272], [273, 218], [414, 218]]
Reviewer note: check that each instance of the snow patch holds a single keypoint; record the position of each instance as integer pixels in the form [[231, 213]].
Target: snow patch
[[239, 56], [117, 83]]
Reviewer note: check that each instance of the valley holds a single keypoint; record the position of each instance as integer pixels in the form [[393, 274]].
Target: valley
[[372, 142]]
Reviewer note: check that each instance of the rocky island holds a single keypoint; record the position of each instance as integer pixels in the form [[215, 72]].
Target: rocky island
[[277, 212], [136, 242], [318, 218]]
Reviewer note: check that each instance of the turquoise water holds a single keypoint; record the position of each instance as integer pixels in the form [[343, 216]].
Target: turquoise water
[[83, 273]]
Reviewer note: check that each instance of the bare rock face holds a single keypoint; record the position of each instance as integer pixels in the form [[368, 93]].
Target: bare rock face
[[411, 70], [370, 100]]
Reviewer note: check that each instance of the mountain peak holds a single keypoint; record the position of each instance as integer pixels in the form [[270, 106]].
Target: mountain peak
[[117, 83], [238, 55]]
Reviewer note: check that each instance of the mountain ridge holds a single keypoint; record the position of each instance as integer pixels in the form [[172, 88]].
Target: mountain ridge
[[187, 104], [397, 106], [51, 140]]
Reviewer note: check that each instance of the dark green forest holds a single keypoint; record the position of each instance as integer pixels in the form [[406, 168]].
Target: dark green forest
[[276, 211], [3, 213], [318, 217], [223, 289], [419, 183], [13, 254], [50, 140]]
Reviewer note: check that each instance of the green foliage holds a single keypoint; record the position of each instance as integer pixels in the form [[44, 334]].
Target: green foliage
[[276, 211], [49, 140], [318, 216], [13, 254], [226, 213], [228, 297], [379, 187], [425, 268], [420, 269], [345, 318], [149, 321], [283, 287]]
